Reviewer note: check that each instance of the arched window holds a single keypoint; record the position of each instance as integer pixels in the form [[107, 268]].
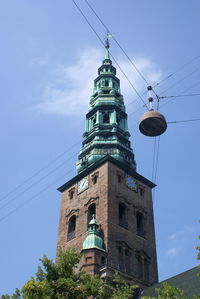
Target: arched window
[[106, 118], [91, 211], [140, 225], [71, 228], [122, 215]]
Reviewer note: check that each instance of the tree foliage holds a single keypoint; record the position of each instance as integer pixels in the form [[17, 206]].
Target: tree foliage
[[60, 280], [168, 291]]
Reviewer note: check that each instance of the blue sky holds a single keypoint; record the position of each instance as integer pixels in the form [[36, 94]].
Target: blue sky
[[49, 58]]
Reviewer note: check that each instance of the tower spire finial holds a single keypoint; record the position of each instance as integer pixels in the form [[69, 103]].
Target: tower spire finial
[[107, 45]]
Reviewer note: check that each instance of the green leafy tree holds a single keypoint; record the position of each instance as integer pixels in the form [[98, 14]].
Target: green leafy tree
[[168, 291], [60, 280]]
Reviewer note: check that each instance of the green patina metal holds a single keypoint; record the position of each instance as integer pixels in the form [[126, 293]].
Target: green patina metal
[[93, 239], [106, 121]]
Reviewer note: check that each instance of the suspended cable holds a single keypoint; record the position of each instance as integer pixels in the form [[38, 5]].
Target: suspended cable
[[177, 70], [113, 37], [181, 96], [109, 52], [32, 197], [35, 183], [183, 121], [45, 167], [154, 158], [194, 85], [38, 172], [182, 79], [129, 103], [156, 163]]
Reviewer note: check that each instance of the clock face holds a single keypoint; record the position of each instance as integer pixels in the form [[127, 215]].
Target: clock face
[[131, 183], [83, 184]]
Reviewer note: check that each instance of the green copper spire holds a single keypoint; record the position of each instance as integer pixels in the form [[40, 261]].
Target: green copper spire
[[106, 121], [93, 240]]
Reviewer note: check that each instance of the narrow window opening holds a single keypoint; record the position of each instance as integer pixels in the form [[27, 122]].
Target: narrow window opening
[[71, 194], [106, 83], [139, 266], [120, 258], [71, 228], [141, 191], [123, 216], [146, 270], [106, 118], [93, 120], [119, 178], [94, 179], [103, 260], [140, 225], [127, 261]]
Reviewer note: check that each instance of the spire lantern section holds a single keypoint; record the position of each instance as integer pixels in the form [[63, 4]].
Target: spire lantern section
[[106, 121]]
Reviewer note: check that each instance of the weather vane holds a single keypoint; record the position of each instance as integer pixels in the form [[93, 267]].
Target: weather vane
[[107, 42]]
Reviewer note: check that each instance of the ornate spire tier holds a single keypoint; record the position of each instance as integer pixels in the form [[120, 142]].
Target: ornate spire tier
[[106, 121]]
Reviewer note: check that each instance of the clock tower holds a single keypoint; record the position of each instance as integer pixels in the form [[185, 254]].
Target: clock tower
[[106, 209]]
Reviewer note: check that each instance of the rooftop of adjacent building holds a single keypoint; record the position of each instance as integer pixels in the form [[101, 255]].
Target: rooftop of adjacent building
[[188, 282]]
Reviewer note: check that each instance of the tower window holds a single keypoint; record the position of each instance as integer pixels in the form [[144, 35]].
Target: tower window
[[127, 261], [143, 263], [121, 258], [139, 266], [106, 83], [141, 191], [123, 215], [140, 225], [71, 228], [71, 193], [103, 260], [106, 118], [91, 212], [94, 179], [119, 178], [146, 269], [93, 120]]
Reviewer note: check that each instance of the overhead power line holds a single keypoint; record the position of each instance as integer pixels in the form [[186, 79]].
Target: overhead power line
[[139, 96], [35, 183], [181, 96], [183, 121], [177, 70], [113, 37], [38, 172], [86, 19], [32, 197]]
